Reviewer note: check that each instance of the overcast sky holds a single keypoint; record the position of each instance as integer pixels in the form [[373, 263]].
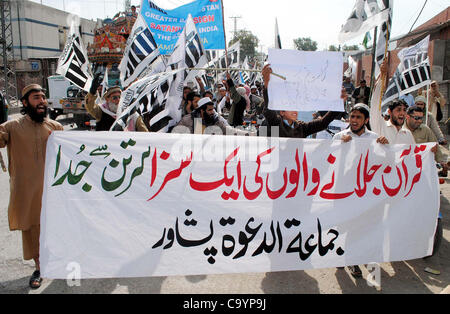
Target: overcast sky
[[321, 20]]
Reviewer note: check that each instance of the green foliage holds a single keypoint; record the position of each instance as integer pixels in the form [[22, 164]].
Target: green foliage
[[305, 44], [350, 48], [249, 43]]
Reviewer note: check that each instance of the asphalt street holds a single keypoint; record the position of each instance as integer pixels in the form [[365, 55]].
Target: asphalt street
[[399, 277]]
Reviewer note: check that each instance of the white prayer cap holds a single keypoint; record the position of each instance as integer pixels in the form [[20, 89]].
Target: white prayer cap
[[361, 106], [420, 99], [204, 101]]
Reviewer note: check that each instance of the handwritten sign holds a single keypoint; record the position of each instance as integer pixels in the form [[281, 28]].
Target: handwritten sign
[[142, 205], [313, 80]]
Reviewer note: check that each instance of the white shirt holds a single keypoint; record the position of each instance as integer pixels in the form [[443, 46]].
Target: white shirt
[[395, 136], [387, 129], [367, 135]]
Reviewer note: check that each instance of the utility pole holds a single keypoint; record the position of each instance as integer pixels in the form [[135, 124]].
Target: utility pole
[[127, 5], [7, 66], [235, 23]]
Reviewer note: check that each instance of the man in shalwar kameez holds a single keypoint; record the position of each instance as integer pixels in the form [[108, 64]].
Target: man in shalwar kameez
[[26, 141]]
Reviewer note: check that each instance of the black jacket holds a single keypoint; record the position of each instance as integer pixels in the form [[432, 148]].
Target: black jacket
[[301, 129]]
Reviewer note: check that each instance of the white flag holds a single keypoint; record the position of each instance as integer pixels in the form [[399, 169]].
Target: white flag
[[189, 52], [352, 67], [412, 73], [152, 96], [366, 14], [73, 63], [105, 83], [233, 56], [383, 39], [140, 53]]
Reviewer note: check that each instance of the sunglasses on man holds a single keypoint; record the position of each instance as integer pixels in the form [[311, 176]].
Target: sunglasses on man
[[417, 118]]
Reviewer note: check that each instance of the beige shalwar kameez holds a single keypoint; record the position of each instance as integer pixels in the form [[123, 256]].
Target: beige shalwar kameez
[[26, 143]]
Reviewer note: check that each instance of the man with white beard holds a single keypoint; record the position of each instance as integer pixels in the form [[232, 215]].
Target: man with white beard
[[106, 114]]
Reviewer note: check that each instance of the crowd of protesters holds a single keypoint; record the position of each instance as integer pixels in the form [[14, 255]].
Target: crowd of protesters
[[229, 107]]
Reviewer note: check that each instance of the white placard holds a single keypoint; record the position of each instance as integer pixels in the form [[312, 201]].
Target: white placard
[[313, 80]]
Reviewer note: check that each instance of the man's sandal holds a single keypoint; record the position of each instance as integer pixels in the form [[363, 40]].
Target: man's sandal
[[35, 280], [355, 271]]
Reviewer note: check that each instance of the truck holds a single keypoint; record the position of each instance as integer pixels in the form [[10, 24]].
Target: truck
[[66, 98]]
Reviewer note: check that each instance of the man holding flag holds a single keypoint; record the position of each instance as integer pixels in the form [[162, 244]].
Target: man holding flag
[[106, 114]]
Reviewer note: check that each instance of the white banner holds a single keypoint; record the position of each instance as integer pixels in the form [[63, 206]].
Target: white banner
[[313, 80], [140, 205]]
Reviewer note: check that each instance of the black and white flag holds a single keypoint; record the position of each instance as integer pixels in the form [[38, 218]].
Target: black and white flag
[[412, 73], [383, 39], [366, 14], [277, 36], [189, 51], [140, 53], [73, 63], [157, 97], [232, 58]]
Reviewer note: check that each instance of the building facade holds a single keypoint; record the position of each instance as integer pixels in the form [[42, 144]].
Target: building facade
[[39, 36]]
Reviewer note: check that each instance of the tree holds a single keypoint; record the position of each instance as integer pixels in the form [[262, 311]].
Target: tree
[[334, 48], [249, 43], [305, 44], [350, 48]]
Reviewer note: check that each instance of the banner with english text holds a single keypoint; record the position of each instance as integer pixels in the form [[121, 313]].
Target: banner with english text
[[167, 25], [123, 204]]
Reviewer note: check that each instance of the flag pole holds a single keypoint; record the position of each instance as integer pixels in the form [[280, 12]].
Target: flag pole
[[2, 163], [224, 34], [235, 69], [374, 51], [384, 78]]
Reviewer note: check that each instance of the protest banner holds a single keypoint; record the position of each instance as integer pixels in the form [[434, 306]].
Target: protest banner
[[167, 25], [143, 205], [313, 80]]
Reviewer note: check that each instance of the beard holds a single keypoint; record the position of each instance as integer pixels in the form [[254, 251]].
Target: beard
[[34, 115], [113, 107], [210, 119], [396, 122], [358, 130]]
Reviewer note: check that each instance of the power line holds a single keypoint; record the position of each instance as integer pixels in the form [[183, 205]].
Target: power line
[[418, 16]]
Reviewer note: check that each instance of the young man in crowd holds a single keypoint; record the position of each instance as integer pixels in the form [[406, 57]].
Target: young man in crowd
[[204, 119], [423, 134], [362, 93], [432, 123], [287, 120], [359, 120]]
